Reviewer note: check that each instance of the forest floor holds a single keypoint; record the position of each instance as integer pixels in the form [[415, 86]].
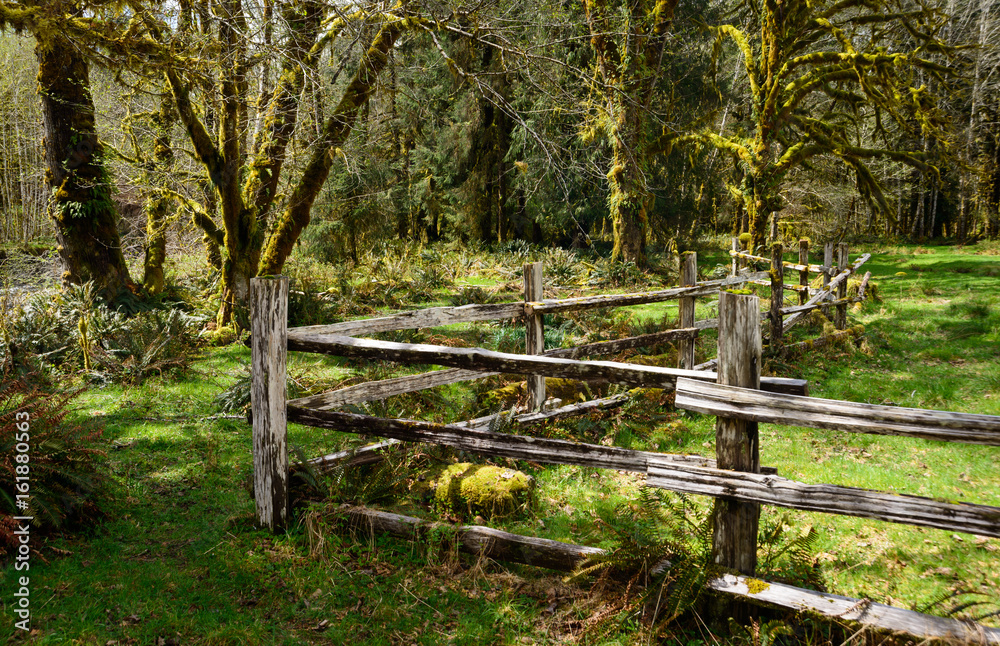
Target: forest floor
[[177, 559]]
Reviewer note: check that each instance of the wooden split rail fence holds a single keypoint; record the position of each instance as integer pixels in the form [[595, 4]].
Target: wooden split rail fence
[[735, 393]]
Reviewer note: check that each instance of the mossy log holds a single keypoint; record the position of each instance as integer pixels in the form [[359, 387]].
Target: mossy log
[[566, 557]]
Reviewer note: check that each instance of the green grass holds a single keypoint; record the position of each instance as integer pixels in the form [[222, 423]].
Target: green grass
[[177, 557]]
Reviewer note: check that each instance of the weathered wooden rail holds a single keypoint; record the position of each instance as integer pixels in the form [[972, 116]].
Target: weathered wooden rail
[[736, 394]]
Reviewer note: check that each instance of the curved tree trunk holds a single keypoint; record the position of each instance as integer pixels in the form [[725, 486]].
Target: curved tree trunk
[[85, 216], [338, 127]]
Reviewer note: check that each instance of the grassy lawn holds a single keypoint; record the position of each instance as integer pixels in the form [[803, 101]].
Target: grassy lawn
[[178, 561]]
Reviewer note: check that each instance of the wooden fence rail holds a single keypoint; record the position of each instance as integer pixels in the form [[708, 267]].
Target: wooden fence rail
[[735, 477], [830, 499], [790, 410], [480, 359]]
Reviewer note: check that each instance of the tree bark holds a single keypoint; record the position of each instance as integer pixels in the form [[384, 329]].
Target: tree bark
[[85, 215], [156, 203], [338, 127]]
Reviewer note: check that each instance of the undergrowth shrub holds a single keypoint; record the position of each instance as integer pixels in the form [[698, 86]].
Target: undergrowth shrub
[[67, 485], [663, 552], [72, 329]]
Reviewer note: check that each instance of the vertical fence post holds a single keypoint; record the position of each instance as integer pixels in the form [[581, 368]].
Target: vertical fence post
[[828, 263], [685, 316], [777, 294], [840, 318], [736, 248], [534, 332], [734, 544], [804, 274], [269, 343]]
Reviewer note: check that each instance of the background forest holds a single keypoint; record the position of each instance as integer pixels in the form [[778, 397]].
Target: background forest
[[258, 126]]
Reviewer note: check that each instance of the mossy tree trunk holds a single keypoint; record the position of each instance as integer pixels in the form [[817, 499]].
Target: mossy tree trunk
[[629, 71], [244, 206], [85, 216], [629, 198], [812, 69], [157, 204], [335, 132]]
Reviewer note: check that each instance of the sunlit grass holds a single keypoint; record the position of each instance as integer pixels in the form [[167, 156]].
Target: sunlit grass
[[178, 557]]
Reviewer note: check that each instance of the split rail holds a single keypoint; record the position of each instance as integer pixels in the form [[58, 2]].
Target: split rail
[[735, 393]]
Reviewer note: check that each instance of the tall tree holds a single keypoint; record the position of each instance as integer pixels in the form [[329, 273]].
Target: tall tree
[[628, 39], [817, 72], [85, 216], [248, 177]]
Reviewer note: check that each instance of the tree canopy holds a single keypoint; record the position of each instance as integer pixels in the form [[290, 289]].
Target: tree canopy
[[268, 123]]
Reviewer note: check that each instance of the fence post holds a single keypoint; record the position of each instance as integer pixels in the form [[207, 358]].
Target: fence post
[[534, 332], [777, 294], [840, 318], [828, 263], [734, 544], [269, 343], [685, 316], [736, 248], [804, 274]]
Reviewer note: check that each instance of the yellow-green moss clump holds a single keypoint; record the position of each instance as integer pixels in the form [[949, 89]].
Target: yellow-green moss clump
[[568, 390], [219, 336], [466, 489]]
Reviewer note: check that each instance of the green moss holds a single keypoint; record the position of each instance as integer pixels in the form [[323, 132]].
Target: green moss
[[756, 586], [469, 489]]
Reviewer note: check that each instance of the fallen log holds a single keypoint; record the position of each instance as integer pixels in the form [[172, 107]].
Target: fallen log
[[566, 557], [475, 539]]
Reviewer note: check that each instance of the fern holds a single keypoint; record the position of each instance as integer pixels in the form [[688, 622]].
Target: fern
[[787, 557], [961, 601], [758, 634], [664, 540]]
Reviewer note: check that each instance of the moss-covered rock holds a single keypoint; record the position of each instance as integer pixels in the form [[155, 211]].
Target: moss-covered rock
[[465, 489]]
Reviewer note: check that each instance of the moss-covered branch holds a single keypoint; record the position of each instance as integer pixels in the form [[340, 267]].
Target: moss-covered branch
[[338, 126]]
